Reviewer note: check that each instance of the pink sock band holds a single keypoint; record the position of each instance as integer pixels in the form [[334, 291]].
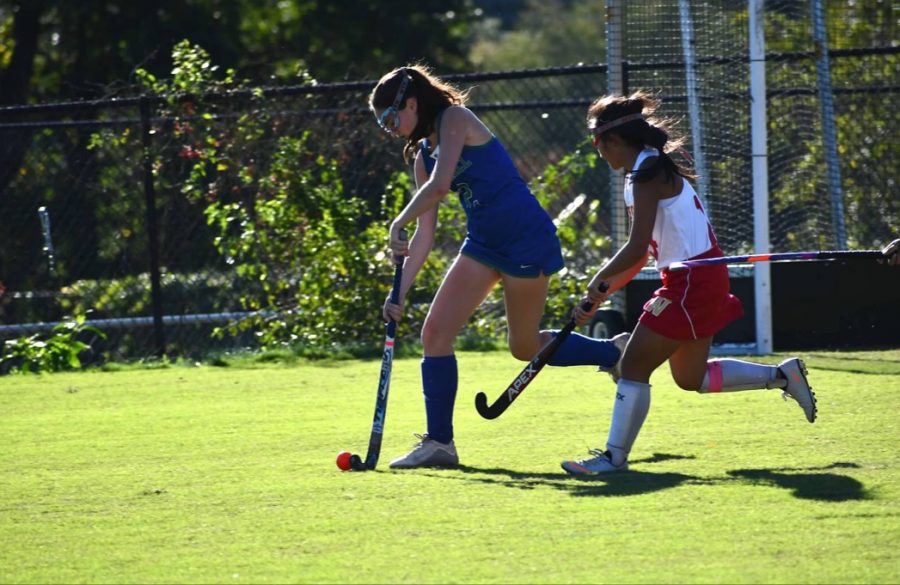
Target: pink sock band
[[714, 371]]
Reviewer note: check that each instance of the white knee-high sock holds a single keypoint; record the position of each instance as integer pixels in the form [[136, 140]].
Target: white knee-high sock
[[629, 411], [730, 375]]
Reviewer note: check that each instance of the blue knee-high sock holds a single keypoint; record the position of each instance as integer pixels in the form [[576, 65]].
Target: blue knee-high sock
[[580, 350], [439, 380]]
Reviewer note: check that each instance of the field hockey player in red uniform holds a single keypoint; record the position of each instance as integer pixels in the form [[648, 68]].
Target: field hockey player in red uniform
[[679, 320]]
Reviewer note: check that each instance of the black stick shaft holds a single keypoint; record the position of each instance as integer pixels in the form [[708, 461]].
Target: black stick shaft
[[530, 371], [384, 379]]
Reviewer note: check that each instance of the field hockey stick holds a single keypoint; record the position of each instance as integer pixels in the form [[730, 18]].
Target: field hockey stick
[[530, 371], [384, 380], [780, 257]]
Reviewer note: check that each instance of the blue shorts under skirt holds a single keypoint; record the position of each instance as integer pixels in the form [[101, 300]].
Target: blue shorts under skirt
[[526, 258]]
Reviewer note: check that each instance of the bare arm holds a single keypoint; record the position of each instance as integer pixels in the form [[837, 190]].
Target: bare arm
[[631, 257], [419, 248], [618, 281], [423, 239], [455, 126]]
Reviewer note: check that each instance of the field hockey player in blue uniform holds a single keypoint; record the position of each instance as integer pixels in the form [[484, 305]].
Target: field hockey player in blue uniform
[[510, 239], [678, 322]]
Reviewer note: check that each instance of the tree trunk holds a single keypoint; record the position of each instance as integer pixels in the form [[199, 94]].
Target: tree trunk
[[15, 82]]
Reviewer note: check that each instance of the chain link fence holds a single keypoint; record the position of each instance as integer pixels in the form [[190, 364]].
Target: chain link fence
[[80, 234], [102, 211]]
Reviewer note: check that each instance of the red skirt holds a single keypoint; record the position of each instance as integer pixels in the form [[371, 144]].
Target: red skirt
[[693, 303]]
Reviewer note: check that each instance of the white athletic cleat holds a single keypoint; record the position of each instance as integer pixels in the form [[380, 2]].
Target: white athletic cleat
[[798, 387], [428, 453], [620, 341], [599, 463]]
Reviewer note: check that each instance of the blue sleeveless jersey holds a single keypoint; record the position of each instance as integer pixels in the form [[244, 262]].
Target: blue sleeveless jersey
[[506, 226]]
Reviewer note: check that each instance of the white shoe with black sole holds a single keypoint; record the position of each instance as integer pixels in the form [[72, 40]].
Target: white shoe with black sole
[[428, 453], [600, 463], [798, 388]]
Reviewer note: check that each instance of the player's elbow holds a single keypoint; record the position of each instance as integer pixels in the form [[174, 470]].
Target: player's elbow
[[439, 189], [635, 252]]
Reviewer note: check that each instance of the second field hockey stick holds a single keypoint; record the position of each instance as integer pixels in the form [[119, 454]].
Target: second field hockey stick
[[528, 374], [384, 380], [780, 257]]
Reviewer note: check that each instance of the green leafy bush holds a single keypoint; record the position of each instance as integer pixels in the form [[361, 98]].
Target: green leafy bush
[[309, 253], [129, 296], [58, 351]]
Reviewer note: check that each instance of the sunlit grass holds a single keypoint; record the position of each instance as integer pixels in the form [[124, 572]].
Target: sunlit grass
[[227, 475]]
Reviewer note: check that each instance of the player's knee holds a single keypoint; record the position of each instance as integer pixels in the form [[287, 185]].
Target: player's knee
[[437, 338], [434, 337], [521, 353], [687, 382], [523, 349]]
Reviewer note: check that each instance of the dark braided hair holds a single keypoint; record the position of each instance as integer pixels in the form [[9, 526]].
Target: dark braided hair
[[642, 129], [432, 94]]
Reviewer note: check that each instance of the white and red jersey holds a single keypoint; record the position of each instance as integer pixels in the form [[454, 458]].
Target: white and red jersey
[[682, 230]]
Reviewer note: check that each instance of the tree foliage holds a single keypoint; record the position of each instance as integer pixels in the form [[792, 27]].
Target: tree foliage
[[546, 33], [279, 186], [867, 150], [308, 254], [50, 50]]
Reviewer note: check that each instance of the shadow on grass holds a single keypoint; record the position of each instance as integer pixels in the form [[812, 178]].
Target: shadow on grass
[[630, 483], [827, 487], [808, 483]]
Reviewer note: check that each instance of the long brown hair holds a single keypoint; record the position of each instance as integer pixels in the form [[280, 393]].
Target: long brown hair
[[433, 95], [642, 129]]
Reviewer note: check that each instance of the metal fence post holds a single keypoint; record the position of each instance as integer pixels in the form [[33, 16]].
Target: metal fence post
[[829, 130], [691, 82], [617, 84], [159, 335], [762, 277]]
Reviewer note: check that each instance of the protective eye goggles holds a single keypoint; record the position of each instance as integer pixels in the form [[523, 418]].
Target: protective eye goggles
[[389, 120]]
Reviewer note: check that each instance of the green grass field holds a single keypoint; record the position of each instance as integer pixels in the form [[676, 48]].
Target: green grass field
[[227, 475]]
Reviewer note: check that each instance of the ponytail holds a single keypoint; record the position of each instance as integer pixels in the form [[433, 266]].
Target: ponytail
[[632, 119]]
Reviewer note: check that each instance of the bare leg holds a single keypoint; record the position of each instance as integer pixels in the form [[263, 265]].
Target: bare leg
[[466, 285], [693, 370], [689, 362], [525, 301], [646, 351]]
